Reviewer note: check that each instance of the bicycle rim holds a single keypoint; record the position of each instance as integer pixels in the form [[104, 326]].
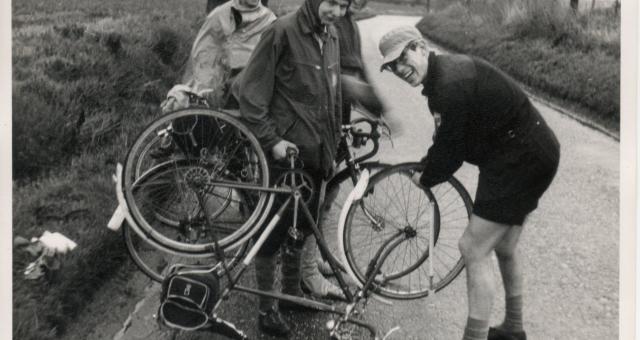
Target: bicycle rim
[[396, 203], [154, 260], [171, 198]]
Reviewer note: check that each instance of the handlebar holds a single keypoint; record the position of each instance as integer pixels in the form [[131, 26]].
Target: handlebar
[[292, 152], [362, 136]]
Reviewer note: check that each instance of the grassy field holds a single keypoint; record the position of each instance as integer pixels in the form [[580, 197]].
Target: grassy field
[[572, 59], [87, 76]]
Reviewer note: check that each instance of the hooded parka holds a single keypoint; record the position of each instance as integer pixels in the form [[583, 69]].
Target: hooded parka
[[290, 88]]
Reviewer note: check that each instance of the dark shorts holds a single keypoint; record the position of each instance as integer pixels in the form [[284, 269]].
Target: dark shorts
[[510, 185]]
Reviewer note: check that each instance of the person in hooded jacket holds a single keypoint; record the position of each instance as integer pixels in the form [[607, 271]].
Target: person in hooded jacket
[[213, 4], [220, 51], [355, 87], [290, 97]]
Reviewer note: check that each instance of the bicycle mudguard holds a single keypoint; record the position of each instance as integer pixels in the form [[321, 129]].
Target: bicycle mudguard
[[361, 186], [355, 195], [122, 211]]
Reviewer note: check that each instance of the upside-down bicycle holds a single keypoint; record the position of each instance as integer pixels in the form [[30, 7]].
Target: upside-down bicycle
[[206, 201]]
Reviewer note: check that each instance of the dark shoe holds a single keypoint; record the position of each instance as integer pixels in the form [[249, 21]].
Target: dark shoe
[[272, 323], [499, 334]]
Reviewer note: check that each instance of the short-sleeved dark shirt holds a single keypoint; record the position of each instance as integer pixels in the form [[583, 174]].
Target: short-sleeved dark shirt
[[475, 102], [487, 120]]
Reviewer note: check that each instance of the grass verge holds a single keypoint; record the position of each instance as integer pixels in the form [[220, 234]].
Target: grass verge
[[87, 76], [571, 59]]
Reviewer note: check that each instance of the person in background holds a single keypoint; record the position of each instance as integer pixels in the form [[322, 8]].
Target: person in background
[[482, 117], [212, 4], [313, 266], [290, 98], [220, 51]]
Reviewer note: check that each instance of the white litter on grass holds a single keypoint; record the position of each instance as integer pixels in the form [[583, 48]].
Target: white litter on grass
[[49, 247], [55, 243]]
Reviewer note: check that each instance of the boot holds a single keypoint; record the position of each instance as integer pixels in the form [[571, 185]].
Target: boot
[[269, 319], [312, 279], [291, 284], [499, 334], [272, 323], [291, 270]]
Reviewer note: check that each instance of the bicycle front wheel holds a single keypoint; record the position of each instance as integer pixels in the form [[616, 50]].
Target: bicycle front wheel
[[394, 206], [196, 176]]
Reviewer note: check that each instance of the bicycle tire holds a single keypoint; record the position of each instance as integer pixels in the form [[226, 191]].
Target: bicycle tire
[[166, 198], [153, 259], [450, 214]]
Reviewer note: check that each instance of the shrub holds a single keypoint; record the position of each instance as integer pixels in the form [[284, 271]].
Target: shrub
[[71, 31], [71, 85], [165, 44], [574, 58], [43, 135]]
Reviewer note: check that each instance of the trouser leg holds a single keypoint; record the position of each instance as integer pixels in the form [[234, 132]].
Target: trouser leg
[[265, 279]]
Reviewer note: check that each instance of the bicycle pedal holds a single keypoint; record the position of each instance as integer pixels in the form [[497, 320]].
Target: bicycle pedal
[[295, 233]]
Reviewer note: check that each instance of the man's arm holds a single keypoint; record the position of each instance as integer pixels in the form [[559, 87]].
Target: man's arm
[[446, 154], [255, 87], [207, 68]]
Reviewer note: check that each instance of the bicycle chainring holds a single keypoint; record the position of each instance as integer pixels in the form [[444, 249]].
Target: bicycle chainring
[[300, 180]]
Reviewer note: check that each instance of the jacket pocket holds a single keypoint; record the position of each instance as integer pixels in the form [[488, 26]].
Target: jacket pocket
[[307, 77]]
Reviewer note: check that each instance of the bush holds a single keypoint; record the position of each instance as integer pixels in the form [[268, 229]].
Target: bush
[[68, 80], [40, 144], [77, 77], [573, 58]]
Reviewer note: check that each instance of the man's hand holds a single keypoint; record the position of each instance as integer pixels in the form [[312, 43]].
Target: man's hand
[[177, 98], [279, 151]]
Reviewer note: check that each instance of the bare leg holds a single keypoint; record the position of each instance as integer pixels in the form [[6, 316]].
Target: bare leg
[[476, 245], [512, 278], [509, 262]]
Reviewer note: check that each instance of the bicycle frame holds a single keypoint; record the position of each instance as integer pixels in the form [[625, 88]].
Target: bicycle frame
[[352, 299], [122, 213]]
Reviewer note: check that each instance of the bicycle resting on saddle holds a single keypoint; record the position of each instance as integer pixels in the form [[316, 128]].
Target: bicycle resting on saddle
[[210, 198]]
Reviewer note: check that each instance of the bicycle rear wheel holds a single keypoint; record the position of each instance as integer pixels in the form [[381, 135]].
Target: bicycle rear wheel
[[153, 259], [394, 205], [204, 184]]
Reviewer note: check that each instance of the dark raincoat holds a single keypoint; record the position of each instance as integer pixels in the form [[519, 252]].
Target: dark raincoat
[[290, 88]]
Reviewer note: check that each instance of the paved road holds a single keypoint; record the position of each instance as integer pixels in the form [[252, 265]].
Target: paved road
[[570, 243]]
